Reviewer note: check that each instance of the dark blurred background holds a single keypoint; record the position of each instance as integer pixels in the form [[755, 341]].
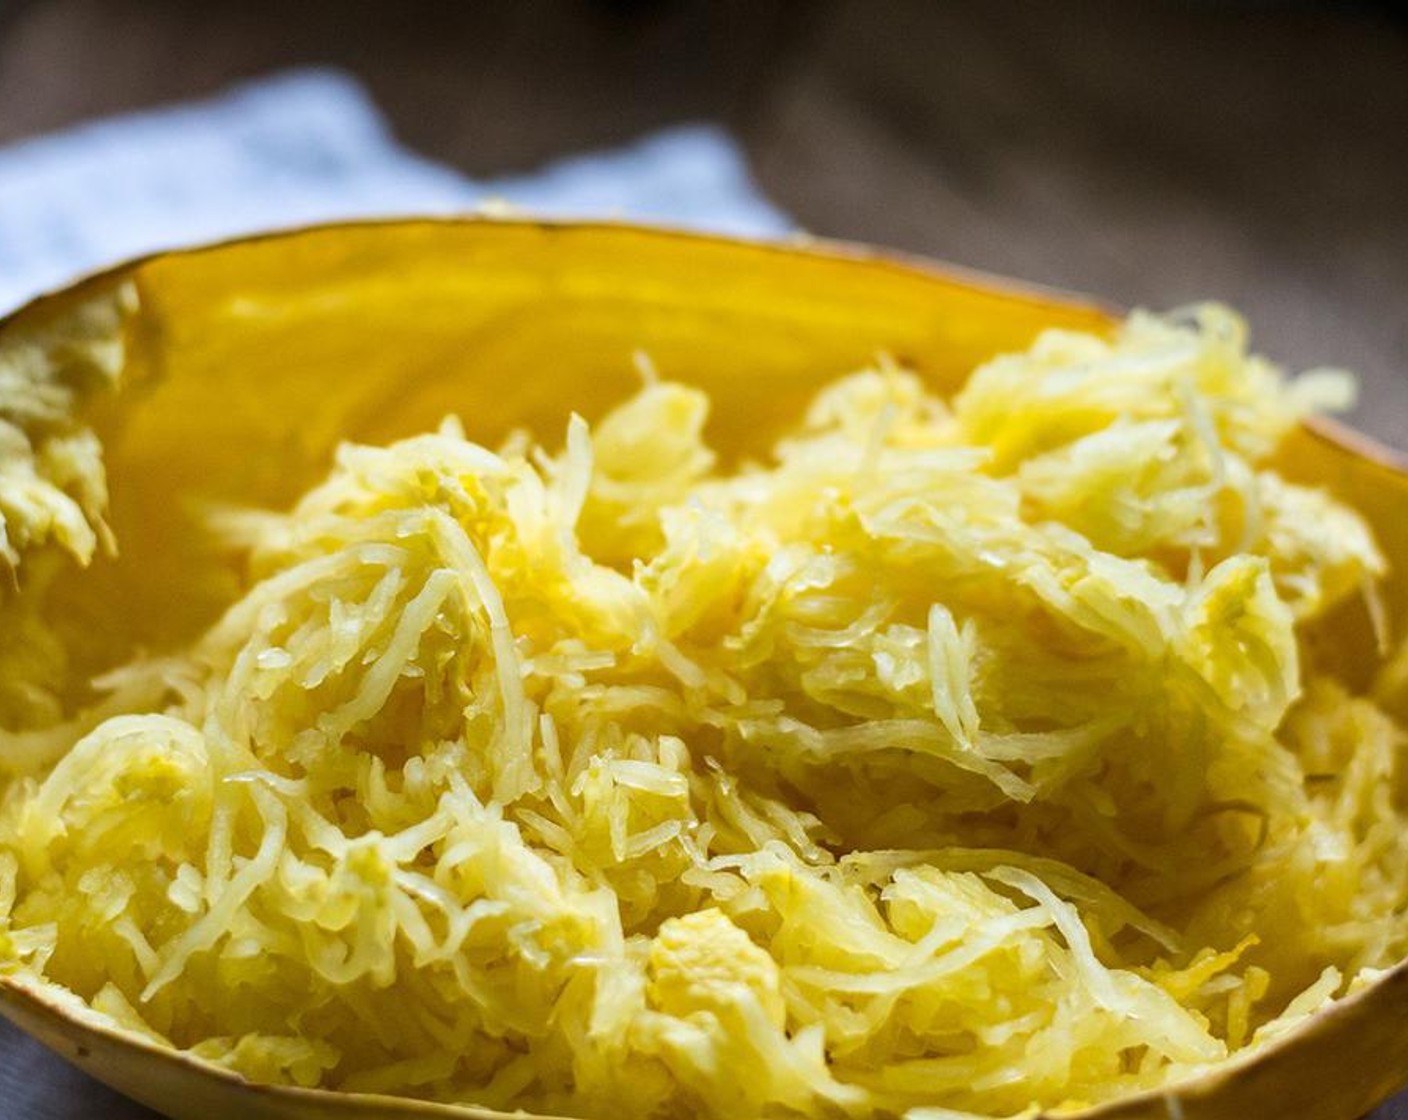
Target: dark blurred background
[[1153, 153], [1150, 153]]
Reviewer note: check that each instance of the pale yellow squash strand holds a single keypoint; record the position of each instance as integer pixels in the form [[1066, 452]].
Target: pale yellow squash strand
[[963, 758]]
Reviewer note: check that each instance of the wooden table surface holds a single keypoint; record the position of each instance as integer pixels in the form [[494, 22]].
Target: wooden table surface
[[1150, 153]]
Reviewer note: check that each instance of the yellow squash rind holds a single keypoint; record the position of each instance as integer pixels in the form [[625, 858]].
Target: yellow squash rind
[[373, 331]]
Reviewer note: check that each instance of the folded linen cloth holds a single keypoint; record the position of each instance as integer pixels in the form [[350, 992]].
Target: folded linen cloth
[[308, 146]]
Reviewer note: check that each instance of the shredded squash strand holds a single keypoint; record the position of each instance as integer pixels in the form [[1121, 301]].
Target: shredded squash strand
[[963, 758]]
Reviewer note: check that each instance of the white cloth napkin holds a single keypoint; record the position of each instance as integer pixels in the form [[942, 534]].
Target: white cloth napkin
[[307, 146]]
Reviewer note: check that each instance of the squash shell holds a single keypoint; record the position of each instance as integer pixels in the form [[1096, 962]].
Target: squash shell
[[247, 361]]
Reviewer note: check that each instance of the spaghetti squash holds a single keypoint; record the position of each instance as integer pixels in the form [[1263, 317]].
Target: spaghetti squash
[[965, 756]]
